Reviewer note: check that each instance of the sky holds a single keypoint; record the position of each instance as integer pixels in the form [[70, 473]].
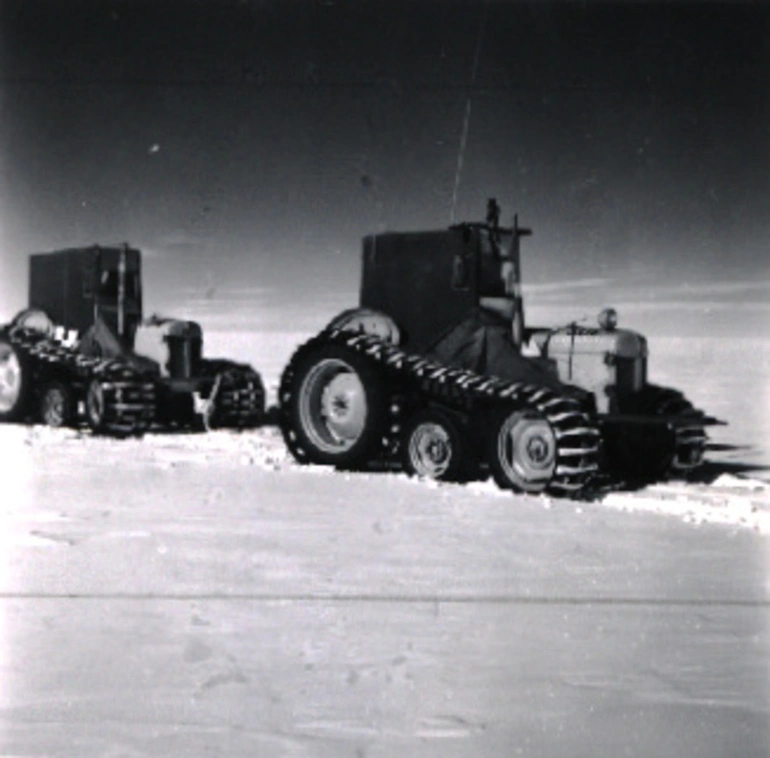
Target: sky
[[246, 146]]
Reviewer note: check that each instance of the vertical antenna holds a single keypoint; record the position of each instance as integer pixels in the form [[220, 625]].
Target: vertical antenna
[[122, 290], [467, 117]]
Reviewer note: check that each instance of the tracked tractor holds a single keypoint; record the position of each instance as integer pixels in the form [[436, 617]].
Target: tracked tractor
[[82, 351], [437, 371]]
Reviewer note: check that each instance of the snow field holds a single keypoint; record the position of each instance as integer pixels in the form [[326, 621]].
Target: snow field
[[202, 594]]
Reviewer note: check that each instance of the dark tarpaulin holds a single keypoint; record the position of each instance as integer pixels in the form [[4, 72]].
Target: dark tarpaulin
[[482, 343], [101, 341]]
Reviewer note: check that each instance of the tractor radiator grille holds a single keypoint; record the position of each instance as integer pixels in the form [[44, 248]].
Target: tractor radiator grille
[[631, 374], [184, 356]]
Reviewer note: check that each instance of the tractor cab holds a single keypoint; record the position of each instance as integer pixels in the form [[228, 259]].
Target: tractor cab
[[429, 281], [79, 286]]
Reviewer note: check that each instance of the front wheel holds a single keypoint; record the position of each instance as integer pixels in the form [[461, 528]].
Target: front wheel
[[333, 406], [432, 447], [521, 452]]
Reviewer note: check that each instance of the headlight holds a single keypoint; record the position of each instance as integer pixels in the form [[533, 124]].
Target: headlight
[[608, 319]]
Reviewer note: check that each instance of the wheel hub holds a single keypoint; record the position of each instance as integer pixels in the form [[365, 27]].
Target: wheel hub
[[538, 450], [430, 450], [341, 406], [437, 451], [526, 450], [333, 406]]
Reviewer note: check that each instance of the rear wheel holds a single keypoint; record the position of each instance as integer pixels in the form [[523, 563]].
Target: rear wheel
[[56, 405], [522, 452], [334, 406], [432, 447], [13, 382]]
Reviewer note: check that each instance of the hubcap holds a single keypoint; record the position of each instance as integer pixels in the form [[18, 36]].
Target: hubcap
[[537, 449], [10, 378], [332, 406], [430, 450], [526, 449]]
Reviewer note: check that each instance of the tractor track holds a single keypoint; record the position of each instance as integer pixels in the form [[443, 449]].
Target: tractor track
[[687, 426], [127, 395], [238, 394], [577, 438]]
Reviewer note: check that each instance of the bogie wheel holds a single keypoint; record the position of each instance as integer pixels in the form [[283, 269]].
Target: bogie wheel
[[334, 408], [522, 452], [95, 406], [432, 447], [56, 405], [13, 382]]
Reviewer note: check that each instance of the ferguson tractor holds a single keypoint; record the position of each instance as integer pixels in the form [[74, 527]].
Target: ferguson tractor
[[437, 368], [83, 349]]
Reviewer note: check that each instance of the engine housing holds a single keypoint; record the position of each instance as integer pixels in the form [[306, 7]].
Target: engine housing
[[175, 345], [611, 364]]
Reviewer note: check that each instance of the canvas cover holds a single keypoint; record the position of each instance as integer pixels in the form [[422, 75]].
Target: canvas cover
[[101, 341], [482, 343]]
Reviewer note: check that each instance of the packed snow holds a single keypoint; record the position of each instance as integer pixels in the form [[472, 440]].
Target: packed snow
[[738, 501]]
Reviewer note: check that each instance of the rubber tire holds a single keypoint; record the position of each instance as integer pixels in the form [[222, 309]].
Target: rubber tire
[[65, 401], [455, 467], [18, 407], [501, 470], [302, 442]]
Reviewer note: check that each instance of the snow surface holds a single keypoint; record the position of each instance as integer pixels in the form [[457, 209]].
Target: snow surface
[[190, 594], [739, 501]]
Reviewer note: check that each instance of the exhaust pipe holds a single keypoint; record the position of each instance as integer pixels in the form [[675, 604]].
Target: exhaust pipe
[[514, 282]]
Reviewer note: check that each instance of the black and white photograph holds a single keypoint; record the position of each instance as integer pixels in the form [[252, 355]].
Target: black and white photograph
[[384, 378]]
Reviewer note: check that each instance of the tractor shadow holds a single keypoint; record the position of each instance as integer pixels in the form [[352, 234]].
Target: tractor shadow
[[706, 474], [712, 468], [270, 419]]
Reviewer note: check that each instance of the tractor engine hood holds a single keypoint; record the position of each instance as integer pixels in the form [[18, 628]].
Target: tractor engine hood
[[622, 343], [170, 327], [609, 363]]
